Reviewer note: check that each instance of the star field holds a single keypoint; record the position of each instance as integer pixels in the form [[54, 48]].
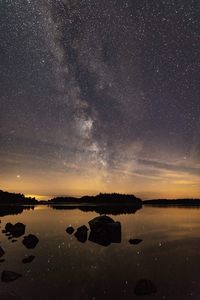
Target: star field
[[100, 96]]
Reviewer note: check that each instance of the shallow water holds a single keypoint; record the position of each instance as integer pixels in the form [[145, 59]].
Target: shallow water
[[64, 268]]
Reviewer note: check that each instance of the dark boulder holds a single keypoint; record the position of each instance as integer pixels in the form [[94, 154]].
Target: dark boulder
[[70, 230], [2, 260], [145, 287], [100, 221], [104, 231], [14, 240], [28, 259], [8, 227], [2, 252], [81, 234], [8, 276], [100, 236], [16, 230], [135, 241], [30, 241]]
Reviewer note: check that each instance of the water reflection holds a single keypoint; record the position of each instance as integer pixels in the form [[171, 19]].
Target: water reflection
[[156, 256], [14, 209], [102, 210]]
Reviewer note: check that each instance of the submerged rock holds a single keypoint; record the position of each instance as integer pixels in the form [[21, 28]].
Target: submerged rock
[[104, 231], [30, 241], [81, 234], [70, 230], [2, 252], [135, 241], [28, 259], [145, 287], [8, 276]]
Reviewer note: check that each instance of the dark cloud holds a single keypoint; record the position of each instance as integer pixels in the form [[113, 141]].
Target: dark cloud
[[170, 167]]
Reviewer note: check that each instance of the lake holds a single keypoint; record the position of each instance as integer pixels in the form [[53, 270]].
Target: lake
[[64, 268]]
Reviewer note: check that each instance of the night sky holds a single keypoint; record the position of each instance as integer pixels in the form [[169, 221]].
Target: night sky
[[100, 96]]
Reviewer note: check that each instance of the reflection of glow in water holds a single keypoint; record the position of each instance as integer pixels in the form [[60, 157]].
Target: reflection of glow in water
[[170, 243], [40, 207]]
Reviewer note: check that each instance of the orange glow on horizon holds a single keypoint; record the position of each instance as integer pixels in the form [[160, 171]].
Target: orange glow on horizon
[[167, 185]]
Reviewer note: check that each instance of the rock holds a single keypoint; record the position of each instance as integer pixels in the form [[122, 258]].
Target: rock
[[106, 235], [81, 234], [2, 260], [114, 231], [30, 241], [3, 231], [16, 230], [2, 252], [10, 237], [105, 231], [28, 259], [70, 230], [100, 236], [8, 227], [145, 287], [13, 241], [100, 221], [135, 241], [8, 276]]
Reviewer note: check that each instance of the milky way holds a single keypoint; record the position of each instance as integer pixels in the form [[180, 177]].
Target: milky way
[[100, 96]]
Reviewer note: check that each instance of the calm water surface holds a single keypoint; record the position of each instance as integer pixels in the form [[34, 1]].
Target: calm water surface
[[64, 268]]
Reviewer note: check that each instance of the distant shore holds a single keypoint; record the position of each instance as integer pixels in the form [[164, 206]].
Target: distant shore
[[114, 199], [172, 202]]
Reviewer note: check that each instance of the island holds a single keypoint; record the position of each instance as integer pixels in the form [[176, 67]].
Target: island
[[115, 200], [112, 199]]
